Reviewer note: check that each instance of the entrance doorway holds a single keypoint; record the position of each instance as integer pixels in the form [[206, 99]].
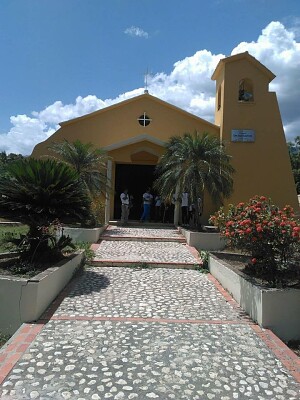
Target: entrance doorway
[[136, 178]]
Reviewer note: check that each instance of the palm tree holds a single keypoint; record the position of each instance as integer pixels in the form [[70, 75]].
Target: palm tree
[[195, 163], [37, 192], [88, 161]]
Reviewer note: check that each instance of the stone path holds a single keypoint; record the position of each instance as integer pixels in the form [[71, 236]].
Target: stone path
[[132, 333], [156, 247], [141, 232]]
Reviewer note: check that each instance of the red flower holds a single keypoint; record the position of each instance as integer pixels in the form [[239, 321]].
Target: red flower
[[254, 260]]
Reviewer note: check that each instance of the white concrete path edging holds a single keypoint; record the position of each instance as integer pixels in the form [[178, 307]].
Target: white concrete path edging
[[90, 235], [25, 300], [275, 309], [210, 241]]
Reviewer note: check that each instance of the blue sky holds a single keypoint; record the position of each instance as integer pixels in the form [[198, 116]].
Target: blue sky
[[64, 58]]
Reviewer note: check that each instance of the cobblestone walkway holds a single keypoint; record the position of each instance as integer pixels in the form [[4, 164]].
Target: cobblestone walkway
[[130, 333], [141, 232], [162, 252], [163, 247]]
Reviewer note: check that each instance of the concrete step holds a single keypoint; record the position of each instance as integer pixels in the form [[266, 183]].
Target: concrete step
[[137, 223], [142, 233], [142, 238], [162, 254], [143, 265]]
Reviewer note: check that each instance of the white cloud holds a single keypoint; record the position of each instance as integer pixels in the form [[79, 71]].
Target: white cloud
[[278, 49], [57, 112], [187, 86], [136, 31], [24, 134]]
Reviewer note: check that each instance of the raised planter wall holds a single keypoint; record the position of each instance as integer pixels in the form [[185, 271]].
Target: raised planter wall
[[24, 300], [211, 241], [276, 309], [90, 235]]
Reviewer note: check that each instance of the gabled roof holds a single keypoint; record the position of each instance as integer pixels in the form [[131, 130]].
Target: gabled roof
[[242, 56], [131, 100]]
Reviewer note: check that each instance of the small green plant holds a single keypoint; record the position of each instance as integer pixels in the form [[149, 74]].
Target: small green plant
[[25, 269], [88, 252], [3, 338], [98, 210], [142, 265], [204, 255]]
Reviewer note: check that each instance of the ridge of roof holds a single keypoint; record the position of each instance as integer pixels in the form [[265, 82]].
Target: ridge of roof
[[132, 99], [240, 56]]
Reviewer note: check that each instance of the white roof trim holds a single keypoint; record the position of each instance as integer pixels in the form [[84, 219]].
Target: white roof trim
[[147, 150], [135, 139]]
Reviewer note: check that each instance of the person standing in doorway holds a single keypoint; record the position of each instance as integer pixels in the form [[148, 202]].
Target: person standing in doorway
[[147, 200], [157, 207], [185, 208], [124, 206]]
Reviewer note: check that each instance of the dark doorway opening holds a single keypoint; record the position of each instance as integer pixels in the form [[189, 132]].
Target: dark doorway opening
[[136, 178]]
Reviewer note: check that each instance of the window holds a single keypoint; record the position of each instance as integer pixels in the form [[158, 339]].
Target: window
[[219, 97], [144, 120], [246, 90]]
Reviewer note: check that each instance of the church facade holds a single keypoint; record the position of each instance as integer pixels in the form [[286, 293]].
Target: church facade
[[247, 120]]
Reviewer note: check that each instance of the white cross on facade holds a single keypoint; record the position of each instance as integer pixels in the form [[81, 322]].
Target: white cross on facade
[[144, 120]]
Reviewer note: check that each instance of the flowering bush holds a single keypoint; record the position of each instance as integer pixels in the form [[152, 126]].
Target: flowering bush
[[268, 234]]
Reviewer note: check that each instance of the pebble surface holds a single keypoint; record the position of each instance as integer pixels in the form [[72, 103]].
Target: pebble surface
[[126, 360], [140, 232], [146, 293], [174, 336], [162, 252]]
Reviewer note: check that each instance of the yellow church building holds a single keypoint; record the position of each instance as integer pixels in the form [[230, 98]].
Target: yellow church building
[[247, 120]]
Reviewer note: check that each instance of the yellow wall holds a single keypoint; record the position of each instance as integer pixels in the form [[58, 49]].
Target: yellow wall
[[113, 126], [119, 122], [262, 167]]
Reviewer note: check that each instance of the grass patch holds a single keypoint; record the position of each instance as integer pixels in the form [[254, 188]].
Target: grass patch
[[10, 230], [3, 338]]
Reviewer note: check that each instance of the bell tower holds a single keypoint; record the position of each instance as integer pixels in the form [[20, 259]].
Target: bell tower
[[252, 132]]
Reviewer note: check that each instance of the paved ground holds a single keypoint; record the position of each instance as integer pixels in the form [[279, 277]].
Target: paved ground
[[144, 252], [141, 232], [127, 333]]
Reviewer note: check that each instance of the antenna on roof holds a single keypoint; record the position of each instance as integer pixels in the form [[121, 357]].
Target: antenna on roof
[[146, 91]]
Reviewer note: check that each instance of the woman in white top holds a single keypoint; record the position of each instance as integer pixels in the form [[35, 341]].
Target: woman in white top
[[124, 206], [185, 208]]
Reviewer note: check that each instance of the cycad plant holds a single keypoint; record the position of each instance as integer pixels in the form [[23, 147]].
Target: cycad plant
[[196, 164], [38, 192]]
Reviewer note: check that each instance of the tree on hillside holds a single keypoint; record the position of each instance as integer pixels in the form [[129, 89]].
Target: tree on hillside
[[195, 163], [6, 159]]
